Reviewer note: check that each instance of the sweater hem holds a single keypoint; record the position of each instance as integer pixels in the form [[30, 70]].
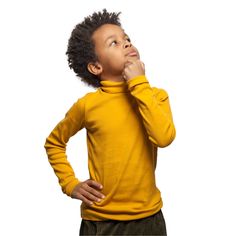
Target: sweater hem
[[123, 217]]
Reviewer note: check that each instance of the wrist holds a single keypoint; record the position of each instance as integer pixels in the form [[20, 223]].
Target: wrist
[[134, 77], [140, 79]]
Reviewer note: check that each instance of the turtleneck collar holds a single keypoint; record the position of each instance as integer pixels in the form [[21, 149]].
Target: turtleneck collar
[[109, 86]]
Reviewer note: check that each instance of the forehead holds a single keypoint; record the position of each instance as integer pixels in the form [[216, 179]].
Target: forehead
[[107, 30]]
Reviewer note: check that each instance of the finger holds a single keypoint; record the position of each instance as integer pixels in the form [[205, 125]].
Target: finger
[[94, 184], [94, 192], [88, 195], [81, 196], [86, 201], [130, 61], [143, 65]]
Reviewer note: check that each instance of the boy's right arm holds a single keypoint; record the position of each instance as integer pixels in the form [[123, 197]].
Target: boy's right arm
[[55, 146]]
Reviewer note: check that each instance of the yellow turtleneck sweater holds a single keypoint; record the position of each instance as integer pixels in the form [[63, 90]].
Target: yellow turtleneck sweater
[[126, 122]]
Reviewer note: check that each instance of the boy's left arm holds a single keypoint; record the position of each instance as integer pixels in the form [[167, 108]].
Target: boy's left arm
[[154, 107]]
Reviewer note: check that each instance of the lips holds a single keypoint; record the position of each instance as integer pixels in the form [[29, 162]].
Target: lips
[[132, 54]]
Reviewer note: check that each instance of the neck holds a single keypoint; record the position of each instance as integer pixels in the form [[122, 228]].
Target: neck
[[115, 78]]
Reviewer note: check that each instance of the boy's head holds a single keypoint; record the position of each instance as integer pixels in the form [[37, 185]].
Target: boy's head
[[99, 48]]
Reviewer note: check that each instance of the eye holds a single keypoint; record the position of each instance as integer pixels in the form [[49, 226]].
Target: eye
[[128, 39], [113, 43]]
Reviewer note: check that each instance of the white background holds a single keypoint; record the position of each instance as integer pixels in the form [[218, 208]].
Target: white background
[[188, 48]]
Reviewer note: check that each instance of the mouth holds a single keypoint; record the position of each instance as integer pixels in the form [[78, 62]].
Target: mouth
[[132, 54]]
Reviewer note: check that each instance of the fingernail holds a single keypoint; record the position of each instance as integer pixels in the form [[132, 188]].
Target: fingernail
[[98, 200], [100, 186], [103, 196]]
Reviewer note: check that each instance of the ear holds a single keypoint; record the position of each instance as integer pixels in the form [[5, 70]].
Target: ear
[[94, 68]]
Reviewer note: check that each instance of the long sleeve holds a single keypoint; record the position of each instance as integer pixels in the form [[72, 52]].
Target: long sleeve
[[154, 107], [55, 146]]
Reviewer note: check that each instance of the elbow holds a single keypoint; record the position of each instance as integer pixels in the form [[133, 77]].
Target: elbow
[[168, 138], [165, 139], [52, 147], [55, 152], [47, 144], [54, 142], [166, 142]]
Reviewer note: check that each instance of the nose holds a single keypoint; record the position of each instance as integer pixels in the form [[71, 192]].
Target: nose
[[127, 44]]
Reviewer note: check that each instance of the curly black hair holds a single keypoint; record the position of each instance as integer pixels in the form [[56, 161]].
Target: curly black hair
[[81, 48]]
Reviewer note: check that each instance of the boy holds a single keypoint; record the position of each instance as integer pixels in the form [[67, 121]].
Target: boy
[[126, 121]]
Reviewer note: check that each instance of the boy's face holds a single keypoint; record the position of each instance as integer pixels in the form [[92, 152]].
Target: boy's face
[[113, 49]]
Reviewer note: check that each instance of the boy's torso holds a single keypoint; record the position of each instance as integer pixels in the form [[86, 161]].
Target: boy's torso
[[120, 157]]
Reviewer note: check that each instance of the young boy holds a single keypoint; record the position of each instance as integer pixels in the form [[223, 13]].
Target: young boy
[[126, 121]]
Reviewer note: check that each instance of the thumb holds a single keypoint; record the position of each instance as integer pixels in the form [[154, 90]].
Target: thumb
[[143, 65], [128, 62]]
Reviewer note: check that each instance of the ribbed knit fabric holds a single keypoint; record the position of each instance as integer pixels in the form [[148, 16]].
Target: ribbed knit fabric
[[125, 122]]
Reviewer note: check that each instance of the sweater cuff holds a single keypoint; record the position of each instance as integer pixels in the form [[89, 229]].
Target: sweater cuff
[[70, 187], [136, 80]]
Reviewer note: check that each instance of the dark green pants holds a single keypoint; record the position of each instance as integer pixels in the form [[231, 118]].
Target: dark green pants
[[152, 225]]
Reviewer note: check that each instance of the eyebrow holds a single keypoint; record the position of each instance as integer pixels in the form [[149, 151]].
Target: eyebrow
[[110, 37], [113, 36]]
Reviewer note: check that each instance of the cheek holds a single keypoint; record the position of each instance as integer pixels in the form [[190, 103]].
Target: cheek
[[117, 58]]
